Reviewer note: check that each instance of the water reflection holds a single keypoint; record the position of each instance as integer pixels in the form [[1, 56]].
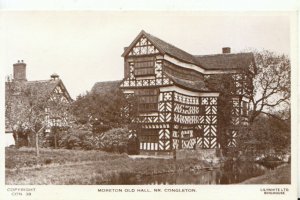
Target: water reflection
[[230, 173]]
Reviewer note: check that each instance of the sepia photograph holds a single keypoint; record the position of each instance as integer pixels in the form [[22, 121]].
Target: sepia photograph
[[132, 98]]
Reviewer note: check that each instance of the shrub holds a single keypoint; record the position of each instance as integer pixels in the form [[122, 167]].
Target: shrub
[[76, 138], [114, 140]]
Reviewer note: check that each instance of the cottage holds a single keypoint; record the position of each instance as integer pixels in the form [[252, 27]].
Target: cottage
[[178, 108], [30, 104]]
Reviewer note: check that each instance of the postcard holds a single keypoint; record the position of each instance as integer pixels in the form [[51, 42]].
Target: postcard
[[135, 104]]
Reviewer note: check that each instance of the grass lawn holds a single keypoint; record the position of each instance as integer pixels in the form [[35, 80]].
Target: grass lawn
[[61, 166], [281, 175]]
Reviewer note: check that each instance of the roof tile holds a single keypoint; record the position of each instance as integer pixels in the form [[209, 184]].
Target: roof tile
[[213, 61], [104, 87]]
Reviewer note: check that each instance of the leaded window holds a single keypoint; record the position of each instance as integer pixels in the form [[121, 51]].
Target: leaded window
[[144, 68], [147, 100], [149, 135]]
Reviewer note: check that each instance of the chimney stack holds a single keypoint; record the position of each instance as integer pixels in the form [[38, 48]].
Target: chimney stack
[[54, 76], [20, 71], [226, 50]]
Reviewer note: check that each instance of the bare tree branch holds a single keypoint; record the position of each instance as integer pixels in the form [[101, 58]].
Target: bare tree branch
[[271, 83]]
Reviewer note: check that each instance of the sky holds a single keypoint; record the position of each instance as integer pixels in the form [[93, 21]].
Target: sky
[[85, 47]]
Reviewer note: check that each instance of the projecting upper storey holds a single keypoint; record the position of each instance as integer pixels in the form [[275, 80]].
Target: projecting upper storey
[[150, 61], [147, 44]]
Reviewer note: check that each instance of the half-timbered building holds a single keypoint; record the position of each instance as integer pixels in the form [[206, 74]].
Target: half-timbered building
[[20, 95], [177, 107]]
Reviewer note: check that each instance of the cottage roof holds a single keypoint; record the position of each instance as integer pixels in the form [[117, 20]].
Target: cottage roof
[[104, 87], [42, 87], [213, 61]]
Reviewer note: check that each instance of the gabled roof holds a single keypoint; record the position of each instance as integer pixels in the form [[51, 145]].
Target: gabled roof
[[104, 87], [226, 61], [45, 86], [171, 49], [214, 61], [42, 87], [39, 89], [163, 47]]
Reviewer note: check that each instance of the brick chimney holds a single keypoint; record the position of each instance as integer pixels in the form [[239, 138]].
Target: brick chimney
[[226, 50], [20, 71]]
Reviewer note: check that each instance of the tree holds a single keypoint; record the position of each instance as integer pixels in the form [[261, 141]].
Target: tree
[[272, 84], [269, 119], [266, 133], [23, 111], [267, 84], [104, 111], [28, 110]]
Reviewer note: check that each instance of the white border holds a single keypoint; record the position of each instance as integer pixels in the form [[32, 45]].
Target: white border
[[204, 191]]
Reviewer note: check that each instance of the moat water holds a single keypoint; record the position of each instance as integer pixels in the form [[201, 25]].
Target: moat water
[[230, 173]]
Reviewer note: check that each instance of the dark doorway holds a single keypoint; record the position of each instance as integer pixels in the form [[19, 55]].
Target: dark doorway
[[133, 146]]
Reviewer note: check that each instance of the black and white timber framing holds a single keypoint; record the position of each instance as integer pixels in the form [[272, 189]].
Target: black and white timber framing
[[176, 108]]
